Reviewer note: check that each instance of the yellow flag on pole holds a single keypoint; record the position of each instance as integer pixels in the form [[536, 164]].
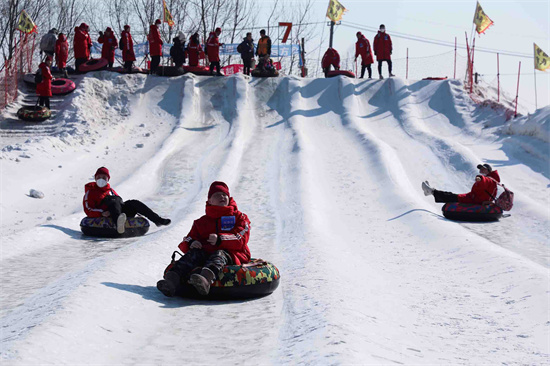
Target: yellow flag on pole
[[335, 10], [25, 23], [481, 20], [167, 16], [542, 61]]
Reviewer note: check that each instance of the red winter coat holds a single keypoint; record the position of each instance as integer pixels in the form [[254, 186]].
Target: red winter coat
[[362, 47], [61, 51], [331, 57], [93, 197], [231, 226], [194, 50], [127, 47], [382, 46], [213, 47], [109, 45], [44, 89], [81, 43], [481, 191], [155, 43]]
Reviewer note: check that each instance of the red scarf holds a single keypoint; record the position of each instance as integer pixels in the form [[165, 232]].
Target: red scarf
[[216, 212]]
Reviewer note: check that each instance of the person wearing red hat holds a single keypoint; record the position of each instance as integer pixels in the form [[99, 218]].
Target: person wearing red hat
[[62, 53], [362, 48], [110, 44], [102, 200], [483, 191], [330, 58], [44, 88], [82, 44], [155, 45], [213, 51], [127, 47], [216, 239]]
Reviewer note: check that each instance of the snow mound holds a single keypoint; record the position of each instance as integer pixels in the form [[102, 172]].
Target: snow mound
[[536, 125]]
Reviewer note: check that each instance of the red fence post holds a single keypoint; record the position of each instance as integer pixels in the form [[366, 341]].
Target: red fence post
[[472, 67], [517, 92], [468, 53], [454, 74]]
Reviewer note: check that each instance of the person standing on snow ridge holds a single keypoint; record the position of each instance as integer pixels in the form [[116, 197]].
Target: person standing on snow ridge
[[483, 191], [383, 49], [101, 200], [109, 45], [155, 45], [82, 44], [62, 53], [177, 51], [362, 48], [331, 57], [194, 49], [44, 88], [246, 49], [217, 239], [47, 43], [127, 47], [213, 50]]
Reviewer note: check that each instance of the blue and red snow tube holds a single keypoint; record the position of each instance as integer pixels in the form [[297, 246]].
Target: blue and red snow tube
[[471, 212], [104, 227]]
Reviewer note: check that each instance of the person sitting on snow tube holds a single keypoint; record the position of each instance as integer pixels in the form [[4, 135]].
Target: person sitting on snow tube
[[101, 200], [483, 191], [217, 239], [330, 58]]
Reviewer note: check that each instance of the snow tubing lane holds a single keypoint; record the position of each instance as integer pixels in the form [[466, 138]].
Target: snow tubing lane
[[471, 212], [435, 78], [264, 73], [33, 113], [254, 279], [197, 70], [170, 71], [334, 73], [93, 65], [104, 227], [62, 86]]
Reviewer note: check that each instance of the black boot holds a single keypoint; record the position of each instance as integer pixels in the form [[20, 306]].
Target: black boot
[[169, 284], [202, 281], [162, 222]]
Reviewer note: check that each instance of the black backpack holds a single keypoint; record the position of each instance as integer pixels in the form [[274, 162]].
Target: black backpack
[[38, 77], [240, 48]]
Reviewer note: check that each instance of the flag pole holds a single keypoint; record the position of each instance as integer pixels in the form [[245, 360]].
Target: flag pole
[[517, 91], [331, 33], [535, 76]]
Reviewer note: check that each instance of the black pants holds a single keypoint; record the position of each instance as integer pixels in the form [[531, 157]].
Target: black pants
[[247, 65], [116, 206], [128, 66], [44, 101], [155, 61], [363, 67], [111, 65], [444, 197], [380, 66], [78, 62], [215, 64], [199, 258]]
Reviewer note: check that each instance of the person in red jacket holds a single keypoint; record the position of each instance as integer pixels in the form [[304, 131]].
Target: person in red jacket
[[383, 49], [217, 239], [44, 88], [362, 48], [483, 191], [213, 50], [331, 57], [194, 50], [110, 44], [127, 47], [101, 200], [61, 53], [155, 45], [82, 44]]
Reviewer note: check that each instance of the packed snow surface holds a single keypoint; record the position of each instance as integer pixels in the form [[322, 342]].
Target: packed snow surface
[[329, 173]]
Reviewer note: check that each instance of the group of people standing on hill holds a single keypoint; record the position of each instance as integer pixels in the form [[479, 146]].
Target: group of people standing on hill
[[382, 47]]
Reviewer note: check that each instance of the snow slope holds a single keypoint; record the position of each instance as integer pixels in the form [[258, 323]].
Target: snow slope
[[329, 172]]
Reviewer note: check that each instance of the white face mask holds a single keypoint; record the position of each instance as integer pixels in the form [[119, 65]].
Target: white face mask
[[383, 30], [101, 182]]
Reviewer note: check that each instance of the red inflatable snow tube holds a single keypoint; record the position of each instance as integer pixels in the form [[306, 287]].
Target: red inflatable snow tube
[[436, 78], [93, 65], [197, 70], [334, 73], [471, 212], [62, 86]]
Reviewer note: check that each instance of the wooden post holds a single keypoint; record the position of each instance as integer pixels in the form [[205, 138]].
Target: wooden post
[[498, 80], [517, 92], [304, 73], [472, 69], [454, 74], [407, 73], [468, 53]]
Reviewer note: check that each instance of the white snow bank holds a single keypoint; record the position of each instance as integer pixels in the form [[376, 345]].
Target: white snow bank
[[536, 125]]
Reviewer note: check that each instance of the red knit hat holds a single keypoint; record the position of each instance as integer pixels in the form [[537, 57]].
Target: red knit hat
[[218, 187], [102, 170]]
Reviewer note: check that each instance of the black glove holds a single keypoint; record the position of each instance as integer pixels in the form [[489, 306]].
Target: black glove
[[101, 33]]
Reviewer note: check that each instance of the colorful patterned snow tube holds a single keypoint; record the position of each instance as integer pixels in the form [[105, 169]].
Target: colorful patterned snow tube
[[334, 73], [197, 70], [93, 64], [169, 71], [254, 279], [33, 113], [259, 73], [471, 212], [62, 86], [104, 227]]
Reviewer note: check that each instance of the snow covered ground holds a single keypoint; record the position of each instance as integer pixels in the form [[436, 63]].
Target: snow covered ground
[[329, 172]]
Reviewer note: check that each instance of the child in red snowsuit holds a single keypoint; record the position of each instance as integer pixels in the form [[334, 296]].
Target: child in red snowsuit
[[110, 43], [44, 88], [217, 239], [330, 58], [61, 53]]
